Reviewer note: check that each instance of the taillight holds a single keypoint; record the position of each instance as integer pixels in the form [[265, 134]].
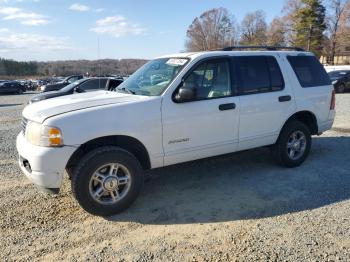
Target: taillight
[[333, 101]]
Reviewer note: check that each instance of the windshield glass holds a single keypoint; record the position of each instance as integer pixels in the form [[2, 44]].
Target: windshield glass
[[337, 74], [152, 78], [72, 85]]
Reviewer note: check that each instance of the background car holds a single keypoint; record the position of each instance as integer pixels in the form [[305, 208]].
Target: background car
[[340, 80], [11, 87], [336, 68], [59, 85], [27, 84], [80, 86]]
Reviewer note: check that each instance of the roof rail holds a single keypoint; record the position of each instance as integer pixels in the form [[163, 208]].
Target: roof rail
[[269, 48]]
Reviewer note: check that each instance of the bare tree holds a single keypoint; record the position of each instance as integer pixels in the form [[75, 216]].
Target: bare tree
[[276, 33], [214, 29], [254, 29], [338, 26], [290, 10]]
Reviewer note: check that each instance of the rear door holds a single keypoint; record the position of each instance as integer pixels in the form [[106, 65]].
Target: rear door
[[12, 87], [266, 99]]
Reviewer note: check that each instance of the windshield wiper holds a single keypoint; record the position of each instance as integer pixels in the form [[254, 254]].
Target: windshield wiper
[[126, 90]]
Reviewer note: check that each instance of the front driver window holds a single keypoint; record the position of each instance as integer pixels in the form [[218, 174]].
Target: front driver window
[[210, 80]]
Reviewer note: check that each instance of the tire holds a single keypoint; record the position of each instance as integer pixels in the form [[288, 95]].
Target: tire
[[341, 88], [92, 176], [282, 150], [20, 91]]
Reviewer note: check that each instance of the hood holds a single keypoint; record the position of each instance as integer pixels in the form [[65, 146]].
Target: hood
[[42, 110], [47, 95]]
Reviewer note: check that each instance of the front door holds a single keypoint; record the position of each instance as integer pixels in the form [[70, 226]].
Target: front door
[[208, 124]]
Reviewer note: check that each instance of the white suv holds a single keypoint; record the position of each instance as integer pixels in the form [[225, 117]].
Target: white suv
[[174, 109]]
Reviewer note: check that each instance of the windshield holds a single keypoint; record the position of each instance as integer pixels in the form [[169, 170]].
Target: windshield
[[72, 85], [337, 74], [152, 78]]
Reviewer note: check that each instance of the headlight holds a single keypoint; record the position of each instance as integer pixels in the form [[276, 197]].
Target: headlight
[[40, 135], [334, 82]]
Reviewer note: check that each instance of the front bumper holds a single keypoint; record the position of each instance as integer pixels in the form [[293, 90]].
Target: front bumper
[[43, 166]]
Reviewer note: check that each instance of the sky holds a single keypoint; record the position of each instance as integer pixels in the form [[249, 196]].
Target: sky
[[45, 30]]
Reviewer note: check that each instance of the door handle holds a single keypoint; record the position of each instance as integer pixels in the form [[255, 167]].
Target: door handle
[[224, 107], [285, 98]]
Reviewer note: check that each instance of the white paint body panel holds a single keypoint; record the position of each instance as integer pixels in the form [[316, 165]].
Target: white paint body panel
[[205, 129], [172, 133], [262, 115], [139, 119], [47, 164]]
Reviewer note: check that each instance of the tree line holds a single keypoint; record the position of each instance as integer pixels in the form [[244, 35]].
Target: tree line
[[70, 67], [322, 27], [11, 67]]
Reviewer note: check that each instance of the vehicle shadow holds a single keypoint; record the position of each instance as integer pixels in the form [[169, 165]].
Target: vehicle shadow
[[246, 185]]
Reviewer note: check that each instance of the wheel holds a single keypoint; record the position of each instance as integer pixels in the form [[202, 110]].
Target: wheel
[[341, 88], [20, 91], [107, 180], [293, 144]]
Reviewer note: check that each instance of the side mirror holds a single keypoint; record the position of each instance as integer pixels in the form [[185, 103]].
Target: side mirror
[[78, 90], [185, 94]]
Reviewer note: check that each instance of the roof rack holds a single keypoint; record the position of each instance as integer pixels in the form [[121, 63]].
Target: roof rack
[[269, 48]]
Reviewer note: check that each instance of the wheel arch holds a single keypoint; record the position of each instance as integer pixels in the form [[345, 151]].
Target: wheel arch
[[306, 117], [130, 144]]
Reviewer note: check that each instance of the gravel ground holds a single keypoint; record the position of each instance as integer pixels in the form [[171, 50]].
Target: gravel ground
[[237, 207]]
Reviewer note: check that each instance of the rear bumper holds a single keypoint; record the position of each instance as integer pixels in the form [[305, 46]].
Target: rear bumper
[[43, 166], [327, 125]]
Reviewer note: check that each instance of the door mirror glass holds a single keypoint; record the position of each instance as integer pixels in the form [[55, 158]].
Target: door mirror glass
[[185, 93]]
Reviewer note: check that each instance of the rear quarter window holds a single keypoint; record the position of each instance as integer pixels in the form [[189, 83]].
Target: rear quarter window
[[309, 71]]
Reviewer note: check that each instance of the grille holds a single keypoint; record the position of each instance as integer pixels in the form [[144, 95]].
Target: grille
[[24, 125]]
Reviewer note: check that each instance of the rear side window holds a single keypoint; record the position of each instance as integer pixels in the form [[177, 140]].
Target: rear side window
[[258, 74], [113, 83], [93, 84], [309, 71]]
